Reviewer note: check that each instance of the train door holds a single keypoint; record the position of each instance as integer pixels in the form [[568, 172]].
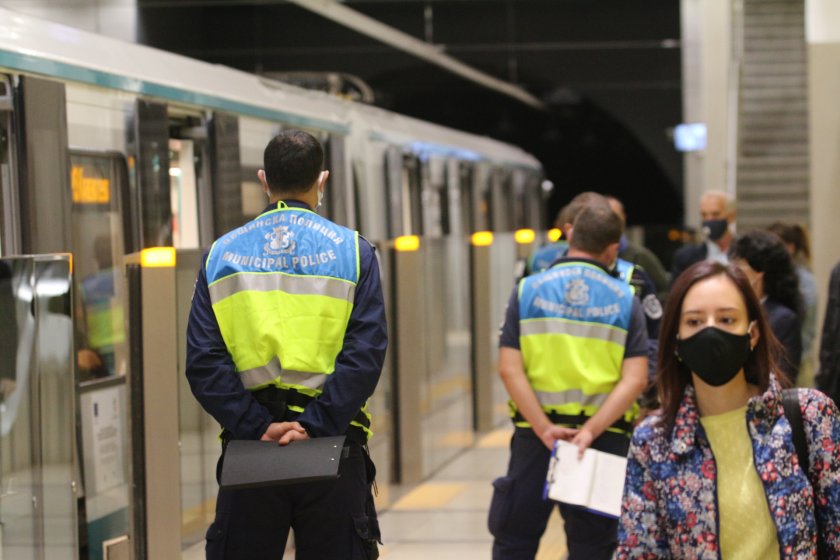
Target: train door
[[9, 215], [101, 231]]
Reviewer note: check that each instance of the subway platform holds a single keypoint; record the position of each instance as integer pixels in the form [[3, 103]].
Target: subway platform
[[445, 517]]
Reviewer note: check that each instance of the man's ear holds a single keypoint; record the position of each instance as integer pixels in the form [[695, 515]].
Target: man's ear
[[322, 179], [261, 177]]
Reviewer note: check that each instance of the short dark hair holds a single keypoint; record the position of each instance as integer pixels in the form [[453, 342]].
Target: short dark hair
[[765, 252], [569, 212], [794, 234], [596, 228], [292, 160], [672, 375]]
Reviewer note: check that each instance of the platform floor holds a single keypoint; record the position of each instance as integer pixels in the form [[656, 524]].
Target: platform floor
[[445, 518]]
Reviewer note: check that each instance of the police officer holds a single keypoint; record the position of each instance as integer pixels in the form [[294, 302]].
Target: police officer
[[634, 275], [286, 341], [573, 357]]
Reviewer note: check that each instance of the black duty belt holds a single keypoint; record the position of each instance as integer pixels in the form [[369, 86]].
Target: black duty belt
[[278, 402], [576, 420]]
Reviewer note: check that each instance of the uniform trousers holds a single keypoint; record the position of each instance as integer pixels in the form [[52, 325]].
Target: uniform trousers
[[519, 514], [332, 520]]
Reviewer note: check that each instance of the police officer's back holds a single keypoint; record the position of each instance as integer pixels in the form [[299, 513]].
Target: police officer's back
[[285, 342]]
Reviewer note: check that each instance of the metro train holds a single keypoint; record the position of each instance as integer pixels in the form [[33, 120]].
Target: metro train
[[108, 149]]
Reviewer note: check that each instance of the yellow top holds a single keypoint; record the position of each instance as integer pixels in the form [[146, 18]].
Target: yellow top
[[742, 503]]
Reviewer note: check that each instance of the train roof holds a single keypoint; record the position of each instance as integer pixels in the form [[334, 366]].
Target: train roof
[[40, 47]]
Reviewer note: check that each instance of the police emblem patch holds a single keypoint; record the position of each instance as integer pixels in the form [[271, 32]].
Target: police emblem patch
[[577, 292], [279, 241], [652, 307]]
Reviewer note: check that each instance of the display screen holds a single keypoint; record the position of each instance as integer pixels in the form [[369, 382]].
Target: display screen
[[690, 137]]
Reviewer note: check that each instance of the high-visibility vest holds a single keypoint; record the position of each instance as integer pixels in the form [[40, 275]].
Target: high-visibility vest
[[625, 271], [546, 255], [573, 321], [103, 311], [282, 289]]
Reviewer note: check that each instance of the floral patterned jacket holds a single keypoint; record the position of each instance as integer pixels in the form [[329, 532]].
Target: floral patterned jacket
[[670, 507]]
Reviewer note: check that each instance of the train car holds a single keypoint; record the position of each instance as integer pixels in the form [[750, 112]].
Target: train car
[[108, 149]]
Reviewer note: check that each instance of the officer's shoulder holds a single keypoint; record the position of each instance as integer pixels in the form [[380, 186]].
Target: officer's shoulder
[[363, 241]]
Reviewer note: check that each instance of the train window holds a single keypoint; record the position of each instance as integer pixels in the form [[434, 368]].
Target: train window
[[98, 183], [501, 201], [481, 197], [432, 184], [517, 181], [463, 176], [412, 196], [183, 194]]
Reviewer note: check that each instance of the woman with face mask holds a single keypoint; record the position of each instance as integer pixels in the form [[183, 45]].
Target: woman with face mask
[[765, 260], [716, 475]]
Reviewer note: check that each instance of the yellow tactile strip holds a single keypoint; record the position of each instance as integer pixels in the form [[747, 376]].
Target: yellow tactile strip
[[431, 495], [496, 439]]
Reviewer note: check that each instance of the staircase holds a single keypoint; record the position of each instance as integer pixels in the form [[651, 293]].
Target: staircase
[[772, 175]]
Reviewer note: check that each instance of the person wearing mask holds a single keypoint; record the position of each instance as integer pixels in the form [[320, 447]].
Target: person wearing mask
[[717, 211], [573, 358], [640, 255], [828, 378], [796, 242], [716, 475], [285, 341], [763, 258]]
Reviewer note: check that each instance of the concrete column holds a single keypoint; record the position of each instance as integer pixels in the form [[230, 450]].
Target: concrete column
[[113, 18], [707, 81], [822, 20]]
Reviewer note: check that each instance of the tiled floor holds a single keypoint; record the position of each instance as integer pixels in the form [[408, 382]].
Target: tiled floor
[[445, 518]]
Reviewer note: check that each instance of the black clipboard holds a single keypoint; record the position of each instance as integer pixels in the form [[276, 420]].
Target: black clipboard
[[251, 464]]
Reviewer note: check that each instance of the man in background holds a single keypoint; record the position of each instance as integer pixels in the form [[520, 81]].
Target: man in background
[[717, 211]]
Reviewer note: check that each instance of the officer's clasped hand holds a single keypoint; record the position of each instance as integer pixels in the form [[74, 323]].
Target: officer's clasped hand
[[284, 432]]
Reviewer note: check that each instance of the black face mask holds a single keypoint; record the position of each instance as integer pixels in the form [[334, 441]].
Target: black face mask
[[715, 355], [715, 229]]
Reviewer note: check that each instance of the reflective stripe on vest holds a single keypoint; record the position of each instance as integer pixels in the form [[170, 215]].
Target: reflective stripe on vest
[[282, 288], [273, 374], [573, 327], [278, 281]]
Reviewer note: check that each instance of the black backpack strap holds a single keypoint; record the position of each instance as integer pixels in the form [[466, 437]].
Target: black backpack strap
[[793, 413]]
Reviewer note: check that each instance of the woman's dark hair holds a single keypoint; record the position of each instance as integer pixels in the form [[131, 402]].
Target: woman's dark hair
[[796, 236], [292, 160], [672, 375], [766, 252]]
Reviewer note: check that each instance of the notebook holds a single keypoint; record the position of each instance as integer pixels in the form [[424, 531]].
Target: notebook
[[595, 481], [250, 464]]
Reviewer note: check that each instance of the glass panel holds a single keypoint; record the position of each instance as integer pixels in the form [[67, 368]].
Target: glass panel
[[55, 394], [97, 228], [182, 191], [103, 413], [198, 431], [18, 470]]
